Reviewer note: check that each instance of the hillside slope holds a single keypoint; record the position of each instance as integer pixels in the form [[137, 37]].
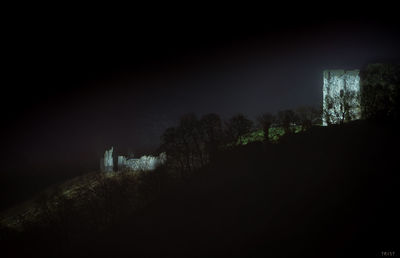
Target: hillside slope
[[327, 192]]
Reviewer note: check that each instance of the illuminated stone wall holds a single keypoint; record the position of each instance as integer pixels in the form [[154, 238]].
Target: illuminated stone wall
[[107, 163], [144, 163], [335, 83]]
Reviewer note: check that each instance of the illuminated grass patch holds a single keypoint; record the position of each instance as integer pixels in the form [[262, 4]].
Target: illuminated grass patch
[[275, 133]]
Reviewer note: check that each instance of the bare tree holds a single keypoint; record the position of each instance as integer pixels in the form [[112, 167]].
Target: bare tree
[[238, 126], [380, 92], [308, 116], [341, 107], [287, 119], [173, 145], [185, 145], [211, 126], [265, 121]]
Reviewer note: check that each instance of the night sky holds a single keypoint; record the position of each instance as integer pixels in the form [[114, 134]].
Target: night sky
[[76, 86]]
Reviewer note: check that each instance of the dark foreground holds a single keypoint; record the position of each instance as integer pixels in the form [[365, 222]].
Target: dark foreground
[[328, 192]]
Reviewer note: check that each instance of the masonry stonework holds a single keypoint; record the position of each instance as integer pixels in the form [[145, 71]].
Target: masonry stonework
[[336, 84]]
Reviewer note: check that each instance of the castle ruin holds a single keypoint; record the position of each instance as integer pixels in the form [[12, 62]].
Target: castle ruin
[[107, 163], [341, 102], [341, 96], [144, 163]]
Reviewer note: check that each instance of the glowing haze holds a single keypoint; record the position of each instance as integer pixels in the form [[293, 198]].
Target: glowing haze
[[78, 88]]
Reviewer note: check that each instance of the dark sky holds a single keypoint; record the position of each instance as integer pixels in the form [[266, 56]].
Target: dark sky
[[75, 86]]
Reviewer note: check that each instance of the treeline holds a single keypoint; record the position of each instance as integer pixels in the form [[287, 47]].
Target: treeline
[[380, 92], [194, 142], [66, 215]]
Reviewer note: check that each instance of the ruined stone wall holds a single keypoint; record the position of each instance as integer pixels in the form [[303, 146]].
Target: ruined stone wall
[[144, 163], [107, 163], [336, 83]]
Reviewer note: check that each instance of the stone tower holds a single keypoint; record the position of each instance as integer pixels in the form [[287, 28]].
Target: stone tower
[[107, 161], [341, 96]]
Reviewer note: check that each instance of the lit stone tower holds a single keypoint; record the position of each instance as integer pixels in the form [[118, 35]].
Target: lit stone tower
[[341, 96], [108, 161]]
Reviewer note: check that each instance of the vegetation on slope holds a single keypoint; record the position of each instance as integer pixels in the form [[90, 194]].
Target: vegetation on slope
[[275, 133], [328, 189]]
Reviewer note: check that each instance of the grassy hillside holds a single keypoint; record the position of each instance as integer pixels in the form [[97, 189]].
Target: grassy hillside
[[274, 134], [326, 192]]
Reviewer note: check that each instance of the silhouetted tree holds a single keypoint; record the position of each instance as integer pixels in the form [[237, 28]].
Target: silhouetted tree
[[308, 116], [380, 92], [342, 107], [287, 120], [211, 126], [265, 121], [238, 126], [172, 143], [185, 145], [194, 142], [193, 136]]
